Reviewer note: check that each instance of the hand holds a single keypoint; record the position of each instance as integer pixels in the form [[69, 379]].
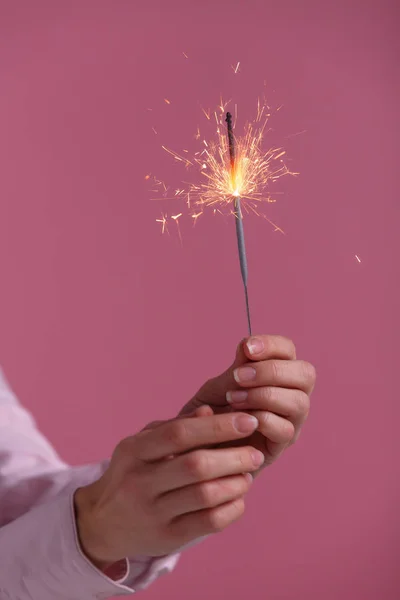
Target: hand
[[277, 394], [163, 489]]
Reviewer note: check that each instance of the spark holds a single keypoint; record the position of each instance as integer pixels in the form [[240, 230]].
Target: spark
[[357, 257], [207, 113], [214, 184], [163, 222], [175, 218], [185, 55], [236, 68], [195, 216], [177, 156], [274, 225], [167, 101], [154, 130], [148, 176], [223, 105], [296, 134]]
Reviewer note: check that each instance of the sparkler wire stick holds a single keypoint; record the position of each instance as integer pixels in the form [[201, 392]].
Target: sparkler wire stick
[[238, 217]]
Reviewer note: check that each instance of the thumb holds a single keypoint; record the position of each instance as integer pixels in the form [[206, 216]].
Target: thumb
[[201, 411], [240, 356]]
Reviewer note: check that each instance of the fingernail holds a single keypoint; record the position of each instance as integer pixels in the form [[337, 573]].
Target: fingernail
[[236, 397], [245, 423], [249, 478], [255, 345], [258, 458], [244, 374]]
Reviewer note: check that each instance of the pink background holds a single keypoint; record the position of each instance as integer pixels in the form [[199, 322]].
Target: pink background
[[106, 324]]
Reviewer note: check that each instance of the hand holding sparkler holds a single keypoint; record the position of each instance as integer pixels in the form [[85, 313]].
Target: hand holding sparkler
[[267, 380]]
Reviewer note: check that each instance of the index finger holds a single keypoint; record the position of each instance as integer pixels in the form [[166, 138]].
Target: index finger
[[182, 435], [265, 347]]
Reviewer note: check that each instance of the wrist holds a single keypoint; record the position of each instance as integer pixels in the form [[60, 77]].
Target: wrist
[[89, 535]]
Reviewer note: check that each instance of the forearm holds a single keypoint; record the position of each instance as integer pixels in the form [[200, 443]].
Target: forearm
[[40, 557]]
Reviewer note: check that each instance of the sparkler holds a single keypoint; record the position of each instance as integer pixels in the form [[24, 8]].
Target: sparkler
[[235, 174], [238, 216]]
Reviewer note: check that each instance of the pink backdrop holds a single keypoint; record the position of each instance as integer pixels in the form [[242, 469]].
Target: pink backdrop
[[106, 324]]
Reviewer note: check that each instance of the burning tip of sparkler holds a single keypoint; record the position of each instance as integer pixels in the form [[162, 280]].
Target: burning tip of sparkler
[[231, 168]]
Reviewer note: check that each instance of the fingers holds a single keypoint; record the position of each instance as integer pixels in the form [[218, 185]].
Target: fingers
[[184, 434], [204, 522], [258, 349], [275, 428], [277, 434], [202, 411], [205, 495], [266, 347], [202, 465], [296, 374], [290, 403]]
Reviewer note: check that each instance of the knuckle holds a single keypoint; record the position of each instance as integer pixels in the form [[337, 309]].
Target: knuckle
[[275, 370], [243, 459], [216, 522], [218, 427], [124, 448], [301, 404], [207, 495], [264, 418], [219, 519], [267, 394], [177, 434], [286, 345], [238, 508], [197, 464], [152, 425]]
